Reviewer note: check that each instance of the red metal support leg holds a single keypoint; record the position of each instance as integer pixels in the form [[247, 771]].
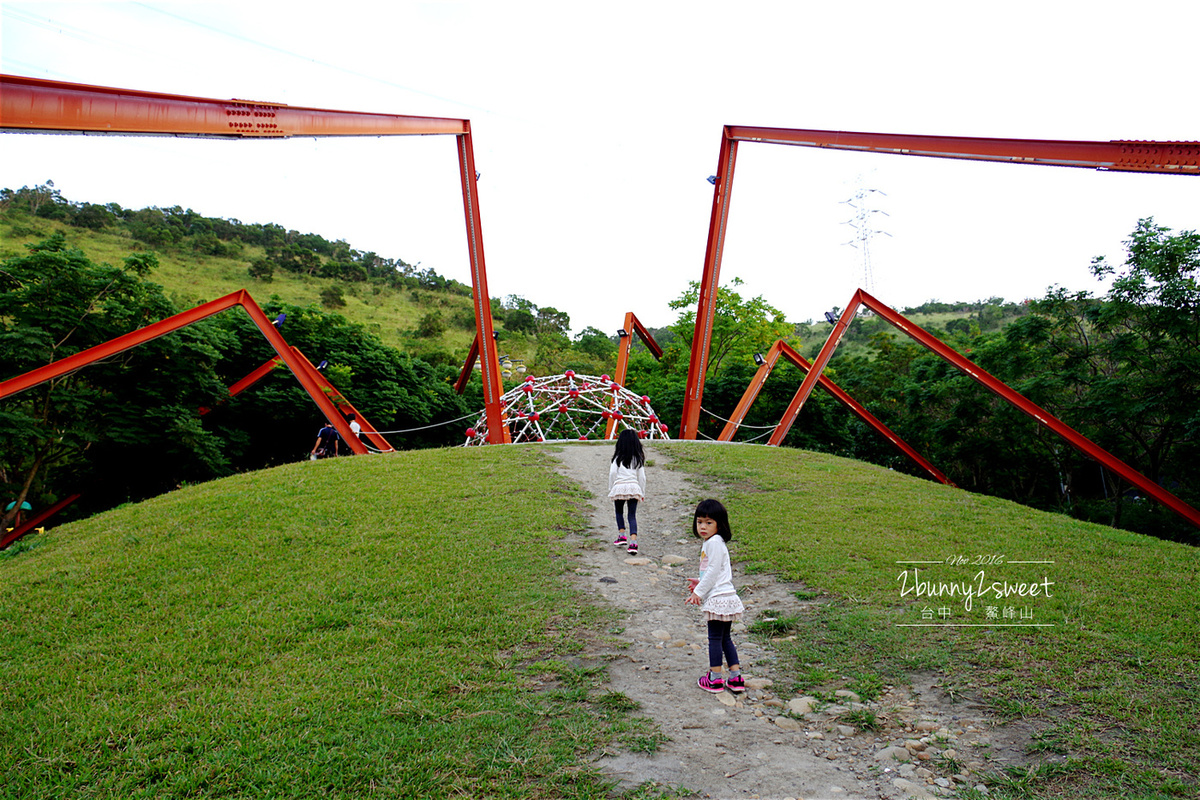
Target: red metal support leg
[[33, 522], [484, 336], [174, 323], [709, 281], [989, 382], [464, 374], [782, 348], [818, 367], [344, 405]]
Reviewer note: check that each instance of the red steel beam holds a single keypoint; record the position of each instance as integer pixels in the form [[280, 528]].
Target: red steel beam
[[344, 405], [465, 373], [265, 369], [130, 340], [631, 326], [33, 105], [41, 106], [782, 348], [989, 382], [36, 520], [485, 338], [709, 282], [1170, 158], [1178, 158]]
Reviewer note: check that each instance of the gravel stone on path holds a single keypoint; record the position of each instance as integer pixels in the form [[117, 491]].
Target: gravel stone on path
[[758, 744]]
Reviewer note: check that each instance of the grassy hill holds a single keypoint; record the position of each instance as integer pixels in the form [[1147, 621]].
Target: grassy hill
[[191, 278], [403, 626], [393, 314]]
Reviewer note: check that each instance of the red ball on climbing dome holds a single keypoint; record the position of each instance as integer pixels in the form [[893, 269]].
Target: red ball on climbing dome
[[645, 400], [604, 378], [470, 432], [574, 393], [569, 373], [663, 427], [562, 409], [527, 388], [618, 415], [642, 434], [616, 387], [653, 419], [535, 416], [583, 438]]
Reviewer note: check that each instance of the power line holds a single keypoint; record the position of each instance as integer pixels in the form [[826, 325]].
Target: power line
[[309, 60]]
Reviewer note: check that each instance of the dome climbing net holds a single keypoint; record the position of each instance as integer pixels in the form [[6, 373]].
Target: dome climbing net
[[570, 407]]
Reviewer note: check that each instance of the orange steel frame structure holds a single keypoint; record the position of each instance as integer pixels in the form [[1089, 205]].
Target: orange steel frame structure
[[32, 105], [343, 405], [631, 326], [319, 389], [783, 349], [1178, 158]]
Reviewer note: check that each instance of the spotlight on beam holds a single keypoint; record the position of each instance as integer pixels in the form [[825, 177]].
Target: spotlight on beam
[[712, 179], [759, 360]]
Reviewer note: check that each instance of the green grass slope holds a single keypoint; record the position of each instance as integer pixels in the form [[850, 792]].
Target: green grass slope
[[403, 626], [192, 278]]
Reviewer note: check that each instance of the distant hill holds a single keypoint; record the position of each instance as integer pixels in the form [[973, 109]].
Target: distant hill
[[416, 311], [203, 258]]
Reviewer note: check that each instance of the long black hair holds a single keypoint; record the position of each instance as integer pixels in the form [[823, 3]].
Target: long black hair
[[629, 451], [716, 512]]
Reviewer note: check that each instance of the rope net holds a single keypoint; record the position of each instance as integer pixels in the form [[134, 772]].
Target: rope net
[[570, 407]]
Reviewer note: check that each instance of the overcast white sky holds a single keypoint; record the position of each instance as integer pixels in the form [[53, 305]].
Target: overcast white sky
[[595, 126]]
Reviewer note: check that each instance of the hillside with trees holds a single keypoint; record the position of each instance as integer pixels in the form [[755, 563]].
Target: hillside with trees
[[1122, 367]]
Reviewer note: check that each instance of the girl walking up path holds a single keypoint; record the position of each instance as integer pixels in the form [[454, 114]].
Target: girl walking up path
[[764, 742]]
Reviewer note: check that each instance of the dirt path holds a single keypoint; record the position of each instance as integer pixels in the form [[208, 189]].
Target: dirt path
[[765, 743]]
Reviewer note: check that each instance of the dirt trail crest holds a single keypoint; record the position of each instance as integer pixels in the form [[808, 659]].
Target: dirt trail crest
[[722, 746]]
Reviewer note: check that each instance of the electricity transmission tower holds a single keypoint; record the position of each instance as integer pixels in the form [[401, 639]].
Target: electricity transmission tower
[[862, 224]]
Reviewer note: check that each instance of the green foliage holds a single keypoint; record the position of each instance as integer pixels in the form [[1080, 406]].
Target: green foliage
[[333, 297], [431, 325], [261, 269], [94, 426], [740, 328]]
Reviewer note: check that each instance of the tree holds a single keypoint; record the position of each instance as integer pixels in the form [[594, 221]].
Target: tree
[[740, 327], [333, 296], [552, 321], [431, 325], [596, 344], [261, 269], [1130, 362], [56, 302]]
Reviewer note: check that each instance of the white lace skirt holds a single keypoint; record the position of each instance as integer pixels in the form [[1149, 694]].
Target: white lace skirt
[[725, 607]]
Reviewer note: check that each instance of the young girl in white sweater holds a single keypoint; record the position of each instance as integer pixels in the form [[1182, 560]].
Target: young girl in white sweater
[[627, 485], [713, 591]]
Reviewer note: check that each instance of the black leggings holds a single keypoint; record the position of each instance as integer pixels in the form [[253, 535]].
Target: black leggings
[[720, 642], [617, 504]]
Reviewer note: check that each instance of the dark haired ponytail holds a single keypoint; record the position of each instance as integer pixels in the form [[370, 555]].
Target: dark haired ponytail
[[628, 452]]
